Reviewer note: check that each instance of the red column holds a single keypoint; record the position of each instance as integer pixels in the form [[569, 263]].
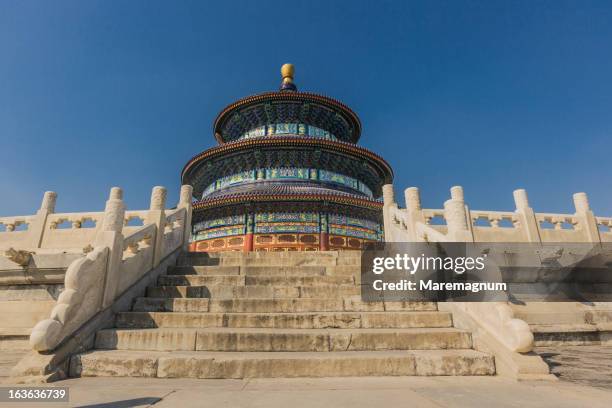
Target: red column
[[250, 228], [324, 241], [248, 242]]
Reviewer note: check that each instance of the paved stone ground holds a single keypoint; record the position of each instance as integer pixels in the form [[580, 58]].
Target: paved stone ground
[[587, 365], [358, 392]]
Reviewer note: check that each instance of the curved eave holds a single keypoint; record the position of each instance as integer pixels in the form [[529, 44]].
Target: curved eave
[[262, 197], [291, 97], [284, 141]]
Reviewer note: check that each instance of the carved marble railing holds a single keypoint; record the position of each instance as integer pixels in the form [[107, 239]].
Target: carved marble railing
[[47, 230], [14, 231], [430, 214], [493, 324], [78, 302], [495, 218], [138, 241], [174, 229], [114, 258], [8, 224], [520, 225], [604, 225]]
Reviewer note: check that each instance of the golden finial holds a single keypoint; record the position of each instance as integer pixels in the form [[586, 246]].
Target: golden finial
[[287, 71]]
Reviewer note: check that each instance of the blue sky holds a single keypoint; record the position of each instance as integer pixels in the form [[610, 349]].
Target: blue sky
[[489, 95]]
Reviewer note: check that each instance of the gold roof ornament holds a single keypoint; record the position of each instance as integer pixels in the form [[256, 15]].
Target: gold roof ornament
[[287, 72]]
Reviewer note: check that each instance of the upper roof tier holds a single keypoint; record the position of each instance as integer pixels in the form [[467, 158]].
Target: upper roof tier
[[287, 111]]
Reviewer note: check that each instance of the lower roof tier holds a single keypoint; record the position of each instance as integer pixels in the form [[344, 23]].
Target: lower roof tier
[[287, 152], [287, 179], [312, 182], [277, 193]]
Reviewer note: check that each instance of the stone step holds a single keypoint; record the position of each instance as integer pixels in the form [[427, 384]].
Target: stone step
[[598, 316], [327, 258], [563, 328], [253, 340], [350, 304], [116, 363], [204, 270], [567, 313], [145, 304], [198, 280], [269, 270], [342, 320], [209, 260], [192, 280], [300, 280], [286, 271], [547, 318], [30, 293], [15, 340], [253, 291], [571, 334], [178, 292], [201, 280]]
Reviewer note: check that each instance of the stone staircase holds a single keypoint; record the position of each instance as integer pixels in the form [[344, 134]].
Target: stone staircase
[[294, 314], [27, 295]]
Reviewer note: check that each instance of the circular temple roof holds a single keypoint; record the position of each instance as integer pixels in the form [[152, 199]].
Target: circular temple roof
[[287, 106]]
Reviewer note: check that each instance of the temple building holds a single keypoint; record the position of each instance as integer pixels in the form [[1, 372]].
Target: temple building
[[287, 175]]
